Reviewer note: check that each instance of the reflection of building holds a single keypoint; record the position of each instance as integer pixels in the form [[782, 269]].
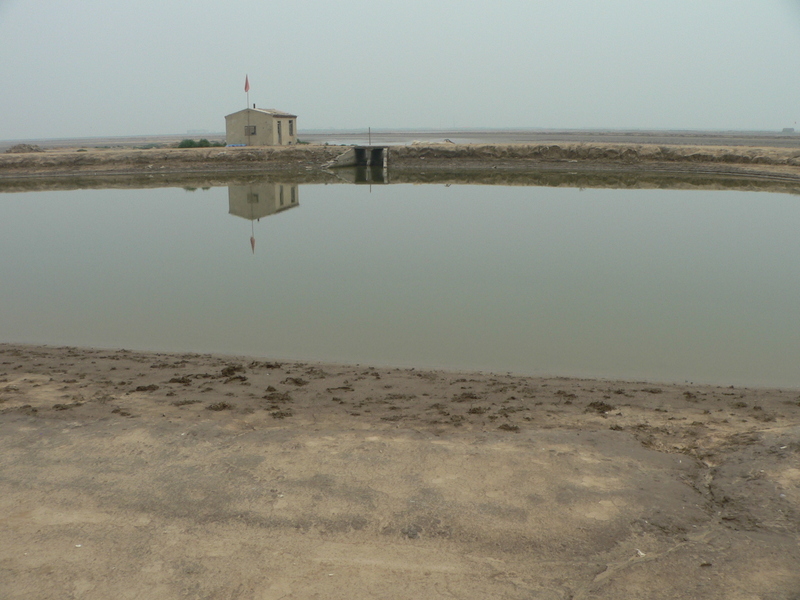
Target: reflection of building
[[258, 200], [260, 127], [261, 200]]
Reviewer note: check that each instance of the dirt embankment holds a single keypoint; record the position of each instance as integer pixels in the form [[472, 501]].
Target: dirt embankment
[[630, 153], [433, 160], [81, 161], [781, 163]]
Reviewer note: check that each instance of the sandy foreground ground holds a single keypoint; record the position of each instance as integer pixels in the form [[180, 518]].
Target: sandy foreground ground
[[143, 475]]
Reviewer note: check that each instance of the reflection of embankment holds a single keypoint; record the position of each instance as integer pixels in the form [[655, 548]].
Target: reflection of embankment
[[599, 179], [564, 176], [188, 181]]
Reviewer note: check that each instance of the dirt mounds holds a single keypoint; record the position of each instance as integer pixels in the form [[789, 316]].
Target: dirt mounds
[[24, 148], [599, 152], [164, 160], [740, 160]]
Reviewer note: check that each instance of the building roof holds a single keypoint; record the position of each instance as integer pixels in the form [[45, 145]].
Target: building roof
[[269, 111]]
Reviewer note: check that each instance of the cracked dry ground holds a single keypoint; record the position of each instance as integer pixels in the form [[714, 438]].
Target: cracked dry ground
[[145, 475]]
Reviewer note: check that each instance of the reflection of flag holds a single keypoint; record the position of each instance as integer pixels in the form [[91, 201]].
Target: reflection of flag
[[246, 84]]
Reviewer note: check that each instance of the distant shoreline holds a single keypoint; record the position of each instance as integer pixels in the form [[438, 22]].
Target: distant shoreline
[[459, 136], [407, 161]]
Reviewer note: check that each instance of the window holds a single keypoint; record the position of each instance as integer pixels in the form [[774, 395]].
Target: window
[[291, 127], [249, 129], [252, 198], [281, 195], [293, 195]]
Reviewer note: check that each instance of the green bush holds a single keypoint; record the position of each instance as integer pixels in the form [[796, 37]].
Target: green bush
[[204, 143]]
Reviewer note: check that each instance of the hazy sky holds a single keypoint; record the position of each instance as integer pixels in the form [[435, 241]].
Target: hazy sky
[[85, 68]]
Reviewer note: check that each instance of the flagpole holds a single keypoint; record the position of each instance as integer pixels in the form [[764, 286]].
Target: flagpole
[[247, 91]]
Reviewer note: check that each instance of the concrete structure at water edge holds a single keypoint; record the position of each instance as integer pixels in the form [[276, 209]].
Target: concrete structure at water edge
[[260, 127], [362, 164]]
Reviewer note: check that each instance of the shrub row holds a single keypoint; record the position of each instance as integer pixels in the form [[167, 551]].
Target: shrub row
[[203, 143]]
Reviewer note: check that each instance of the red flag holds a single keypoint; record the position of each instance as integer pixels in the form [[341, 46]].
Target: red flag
[[246, 84]]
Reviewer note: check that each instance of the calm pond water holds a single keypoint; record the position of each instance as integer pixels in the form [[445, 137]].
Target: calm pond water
[[660, 285]]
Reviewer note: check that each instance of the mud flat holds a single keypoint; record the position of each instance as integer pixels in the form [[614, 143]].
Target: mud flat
[[131, 474]]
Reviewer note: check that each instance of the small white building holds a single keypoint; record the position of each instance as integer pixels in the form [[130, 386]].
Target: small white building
[[260, 127]]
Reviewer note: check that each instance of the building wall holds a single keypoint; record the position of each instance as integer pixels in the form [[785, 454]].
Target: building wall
[[235, 128], [266, 126], [284, 139]]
